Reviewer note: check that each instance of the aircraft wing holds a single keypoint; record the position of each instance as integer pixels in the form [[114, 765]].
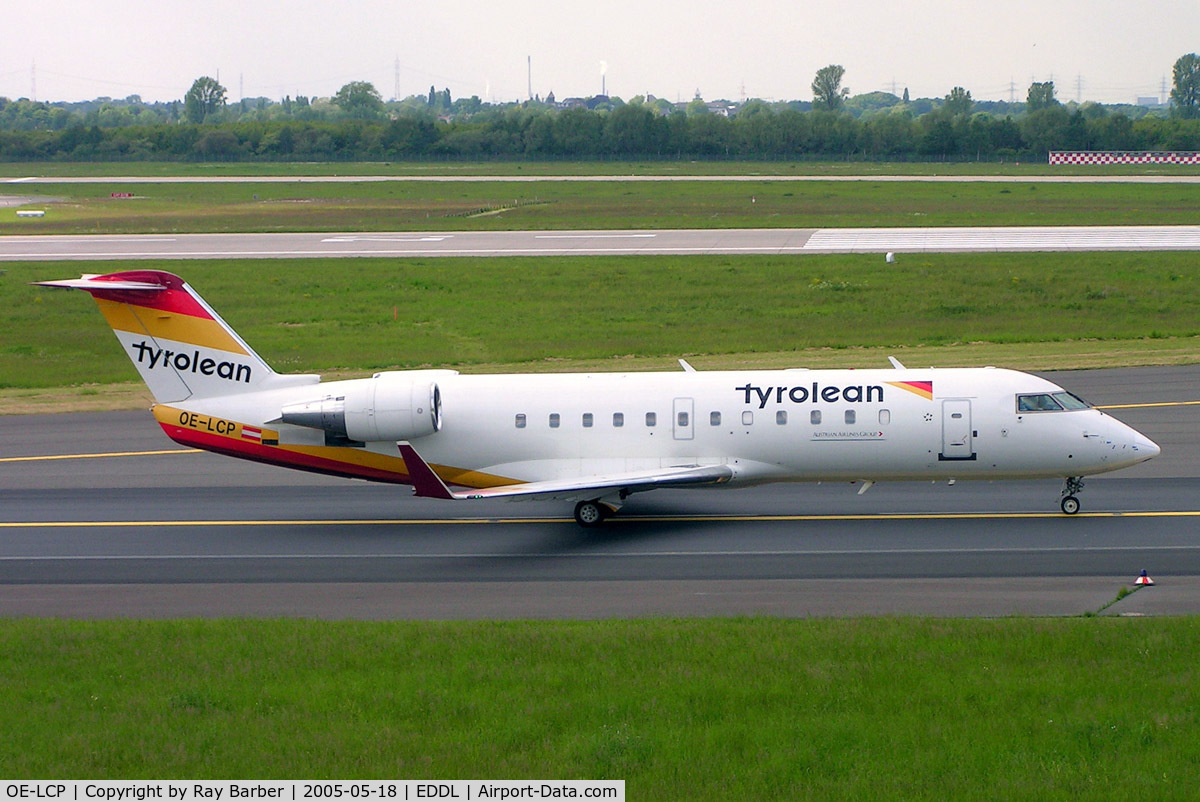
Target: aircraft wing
[[428, 484]]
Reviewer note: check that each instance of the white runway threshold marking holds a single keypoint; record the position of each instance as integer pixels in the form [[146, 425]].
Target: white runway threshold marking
[[1024, 238]]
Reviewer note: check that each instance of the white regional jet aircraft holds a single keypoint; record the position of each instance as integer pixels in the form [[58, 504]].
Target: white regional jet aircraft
[[595, 438]]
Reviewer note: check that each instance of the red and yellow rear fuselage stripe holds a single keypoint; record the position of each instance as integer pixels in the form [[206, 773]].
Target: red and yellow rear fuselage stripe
[[261, 444]]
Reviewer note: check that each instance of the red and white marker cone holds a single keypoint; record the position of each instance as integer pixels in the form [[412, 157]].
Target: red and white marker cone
[[1143, 580]]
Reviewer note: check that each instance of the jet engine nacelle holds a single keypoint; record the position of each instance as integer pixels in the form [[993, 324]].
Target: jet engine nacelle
[[402, 405]]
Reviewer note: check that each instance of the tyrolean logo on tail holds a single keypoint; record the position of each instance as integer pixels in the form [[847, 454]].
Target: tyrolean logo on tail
[[183, 362]]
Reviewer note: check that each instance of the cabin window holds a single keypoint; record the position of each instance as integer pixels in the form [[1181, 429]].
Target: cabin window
[[781, 417], [814, 417], [885, 417], [682, 420], [587, 420], [850, 416], [747, 418], [714, 419], [618, 420], [520, 420], [651, 419], [554, 420]]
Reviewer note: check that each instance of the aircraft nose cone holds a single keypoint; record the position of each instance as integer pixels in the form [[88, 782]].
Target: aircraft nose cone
[[1145, 447]]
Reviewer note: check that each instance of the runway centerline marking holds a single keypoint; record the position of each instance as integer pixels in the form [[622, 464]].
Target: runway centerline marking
[[594, 236], [45, 457], [387, 239], [937, 516]]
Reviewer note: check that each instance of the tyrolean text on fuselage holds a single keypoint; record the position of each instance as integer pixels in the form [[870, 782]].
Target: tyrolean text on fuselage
[[813, 393]]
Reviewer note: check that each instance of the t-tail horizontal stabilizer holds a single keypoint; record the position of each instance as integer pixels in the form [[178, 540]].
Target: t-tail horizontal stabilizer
[[88, 282], [428, 484]]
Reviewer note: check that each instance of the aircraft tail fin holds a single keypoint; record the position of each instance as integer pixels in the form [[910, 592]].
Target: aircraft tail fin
[[179, 345]]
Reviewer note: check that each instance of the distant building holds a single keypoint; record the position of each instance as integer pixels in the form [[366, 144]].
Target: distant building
[[724, 108]]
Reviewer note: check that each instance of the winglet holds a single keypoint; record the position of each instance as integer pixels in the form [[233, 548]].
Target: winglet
[[683, 363], [425, 482], [896, 363]]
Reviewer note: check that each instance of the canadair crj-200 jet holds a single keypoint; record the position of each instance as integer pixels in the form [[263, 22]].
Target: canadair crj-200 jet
[[595, 438]]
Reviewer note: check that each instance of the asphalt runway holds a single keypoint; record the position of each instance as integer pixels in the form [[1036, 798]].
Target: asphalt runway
[[187, 534], [592, 243]]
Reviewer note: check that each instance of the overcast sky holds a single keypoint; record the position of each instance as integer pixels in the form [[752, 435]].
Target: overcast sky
[[156, 48]]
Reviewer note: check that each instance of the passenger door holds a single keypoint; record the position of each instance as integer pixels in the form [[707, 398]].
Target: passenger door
[[957, 436]]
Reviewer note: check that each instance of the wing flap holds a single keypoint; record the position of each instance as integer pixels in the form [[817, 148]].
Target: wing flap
[[428, 484]]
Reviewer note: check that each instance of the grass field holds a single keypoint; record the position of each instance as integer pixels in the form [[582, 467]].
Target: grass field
[[427, 206], [372, 314], [674, 167], [1087, 708]]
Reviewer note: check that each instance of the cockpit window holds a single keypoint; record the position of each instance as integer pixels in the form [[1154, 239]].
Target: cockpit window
[[1071, 401], [1038, 402], [1050, 402]]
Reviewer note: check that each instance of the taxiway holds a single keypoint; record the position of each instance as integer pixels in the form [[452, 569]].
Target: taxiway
[[102, 516]]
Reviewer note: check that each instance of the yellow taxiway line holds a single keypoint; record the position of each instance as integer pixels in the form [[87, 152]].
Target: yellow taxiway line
[[1153, 404], [105, 454]]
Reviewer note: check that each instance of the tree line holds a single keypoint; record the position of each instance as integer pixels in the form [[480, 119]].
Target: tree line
[[357, 125], [629, 132]]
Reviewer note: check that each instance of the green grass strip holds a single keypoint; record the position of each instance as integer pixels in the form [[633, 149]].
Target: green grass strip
[[372, 314], [706, 709], [430, 206], [595, 167]]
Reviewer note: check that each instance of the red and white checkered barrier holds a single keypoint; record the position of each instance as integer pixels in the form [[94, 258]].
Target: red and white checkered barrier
[[1123, 157]]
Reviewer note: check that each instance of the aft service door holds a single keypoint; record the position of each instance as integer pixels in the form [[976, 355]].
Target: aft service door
[[684, 421], [957, 440]]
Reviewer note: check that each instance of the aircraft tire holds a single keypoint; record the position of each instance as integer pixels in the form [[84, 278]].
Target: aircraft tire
[[1070, 505], [589, 513]]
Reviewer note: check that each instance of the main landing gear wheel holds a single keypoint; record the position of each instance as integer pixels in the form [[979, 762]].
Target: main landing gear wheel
[[1070, 505], [589, 513]]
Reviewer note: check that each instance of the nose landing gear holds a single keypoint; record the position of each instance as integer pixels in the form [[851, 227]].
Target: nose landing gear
[[1069, 503]]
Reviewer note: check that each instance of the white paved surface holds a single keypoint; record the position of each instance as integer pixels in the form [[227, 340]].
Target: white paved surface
[[1039, 238], [614, 242]]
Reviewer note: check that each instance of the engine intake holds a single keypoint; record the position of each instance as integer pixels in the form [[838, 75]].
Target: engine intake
[[388, 406]]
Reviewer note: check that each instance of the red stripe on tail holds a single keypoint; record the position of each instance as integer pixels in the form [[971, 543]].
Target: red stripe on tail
[[176, 299]]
